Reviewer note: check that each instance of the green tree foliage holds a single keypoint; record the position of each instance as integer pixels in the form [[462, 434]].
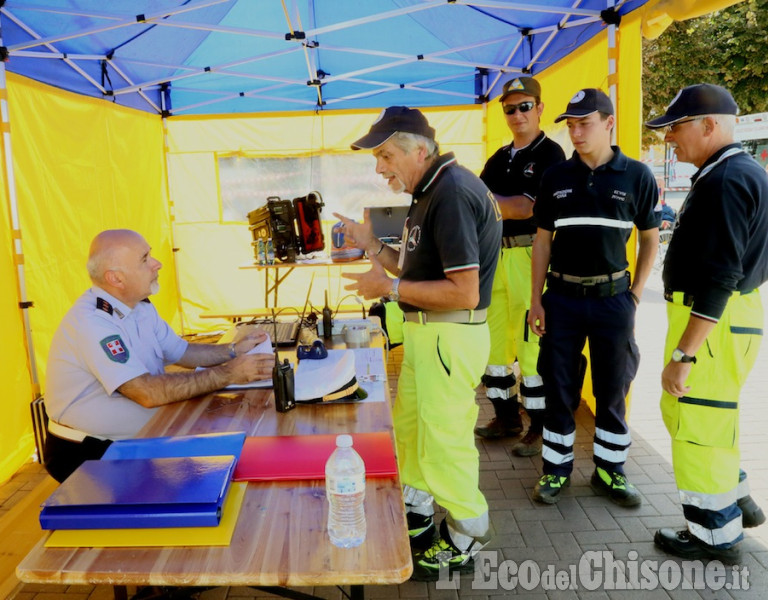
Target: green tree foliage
[[727, 47]]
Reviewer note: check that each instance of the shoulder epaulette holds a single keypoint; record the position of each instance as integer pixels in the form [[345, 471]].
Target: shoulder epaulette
[[102, 304]]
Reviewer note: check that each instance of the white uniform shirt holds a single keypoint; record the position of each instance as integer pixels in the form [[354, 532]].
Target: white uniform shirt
[[100, 344]]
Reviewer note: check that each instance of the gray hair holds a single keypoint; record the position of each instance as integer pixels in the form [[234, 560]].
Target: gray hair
[[727, 123], [408, 142]]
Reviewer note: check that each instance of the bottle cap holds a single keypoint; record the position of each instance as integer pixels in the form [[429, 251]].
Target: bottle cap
[[344, 441]]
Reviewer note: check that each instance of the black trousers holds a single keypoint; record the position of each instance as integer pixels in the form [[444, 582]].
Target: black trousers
[[62, 456], [607, 324]]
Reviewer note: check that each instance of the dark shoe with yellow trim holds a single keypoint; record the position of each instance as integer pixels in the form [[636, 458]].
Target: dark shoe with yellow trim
[[751, 514], [421, 530], [548, 488], [686, 545], [616, 487], [444, 555]]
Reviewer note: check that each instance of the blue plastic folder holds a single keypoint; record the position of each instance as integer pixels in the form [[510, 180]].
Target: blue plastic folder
[[205, 444], [141, 493]]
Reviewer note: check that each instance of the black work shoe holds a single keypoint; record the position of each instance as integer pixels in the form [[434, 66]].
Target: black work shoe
[[499, 428], [421, 530], [616, 487], [530, 445], [751, 514], [443, 553], [686, 545], [548, 488]]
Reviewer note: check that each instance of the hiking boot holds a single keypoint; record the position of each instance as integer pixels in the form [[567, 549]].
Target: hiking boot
[[686, 545], [548, 488], [751, 514], [497, 428], [616, 487], [530, 445], [421, 530], [444, 554]]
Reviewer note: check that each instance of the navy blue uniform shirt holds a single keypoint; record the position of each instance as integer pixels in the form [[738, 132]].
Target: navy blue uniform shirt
[[592, 212], [720, 244], [519, 174]]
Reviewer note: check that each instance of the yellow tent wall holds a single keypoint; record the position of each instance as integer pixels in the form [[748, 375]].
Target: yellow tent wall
[[83, 165], [217, 250], [80, 166]]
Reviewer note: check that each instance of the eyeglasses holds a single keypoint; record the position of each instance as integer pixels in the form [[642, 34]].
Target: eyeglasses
[[672, 128], [523, 107]]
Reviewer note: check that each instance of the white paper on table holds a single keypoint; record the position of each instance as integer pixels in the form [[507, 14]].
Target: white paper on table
[[264, 347]]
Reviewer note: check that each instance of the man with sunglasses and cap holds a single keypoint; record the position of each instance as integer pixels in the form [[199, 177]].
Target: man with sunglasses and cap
[[443, 277], [513, 174], [586, 209], [717, 258]]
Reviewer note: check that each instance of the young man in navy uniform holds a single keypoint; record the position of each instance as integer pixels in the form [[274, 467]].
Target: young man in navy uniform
[[585, 211], [444, 273], [716, 260], [106, 364], [513, 174]]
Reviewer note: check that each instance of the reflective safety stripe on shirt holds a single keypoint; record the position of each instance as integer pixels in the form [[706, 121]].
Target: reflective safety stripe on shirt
[[599, 221]]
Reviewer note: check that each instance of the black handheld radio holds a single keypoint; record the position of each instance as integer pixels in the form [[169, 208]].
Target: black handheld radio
[[282, 380], [327, 319]]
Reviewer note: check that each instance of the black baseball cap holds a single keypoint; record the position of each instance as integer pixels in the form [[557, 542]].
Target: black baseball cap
[[696, 100], [390, 121], [521, 85], [586, 102]]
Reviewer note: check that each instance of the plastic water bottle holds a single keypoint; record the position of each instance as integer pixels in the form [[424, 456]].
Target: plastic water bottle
[[270, 252], [345, 490]]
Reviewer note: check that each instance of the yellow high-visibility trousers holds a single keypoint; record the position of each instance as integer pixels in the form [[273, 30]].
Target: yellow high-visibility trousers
[[704, 424], [435, 414]]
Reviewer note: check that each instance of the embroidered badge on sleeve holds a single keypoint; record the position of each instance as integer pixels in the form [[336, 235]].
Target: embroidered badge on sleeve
[[114, 348]]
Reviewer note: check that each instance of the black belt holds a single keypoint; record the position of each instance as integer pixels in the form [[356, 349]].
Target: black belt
[[518, 241], [604, 289]]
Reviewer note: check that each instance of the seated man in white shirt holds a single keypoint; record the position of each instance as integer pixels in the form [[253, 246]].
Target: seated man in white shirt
[[106, 368]]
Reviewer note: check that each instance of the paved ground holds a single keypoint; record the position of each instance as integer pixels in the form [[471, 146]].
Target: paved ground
[[541, 548]]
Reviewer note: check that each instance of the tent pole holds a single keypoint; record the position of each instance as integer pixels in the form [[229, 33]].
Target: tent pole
[[10, 189], [164, 94], [613, 61]]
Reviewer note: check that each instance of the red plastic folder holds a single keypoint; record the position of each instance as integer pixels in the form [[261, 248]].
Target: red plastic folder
[[139, 493], [277, 458]]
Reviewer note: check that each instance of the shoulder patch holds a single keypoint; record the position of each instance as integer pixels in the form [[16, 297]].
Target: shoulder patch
[[115, 349], [102, 304]]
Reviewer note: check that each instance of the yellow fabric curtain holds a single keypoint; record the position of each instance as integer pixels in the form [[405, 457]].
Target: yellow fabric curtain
[[657, 15], [81, 166], [218, 249], [16, 440]]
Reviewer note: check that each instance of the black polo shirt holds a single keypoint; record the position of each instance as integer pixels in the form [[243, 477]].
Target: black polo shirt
[[508, 174], [592, 212], [720, 243], [454, 224]]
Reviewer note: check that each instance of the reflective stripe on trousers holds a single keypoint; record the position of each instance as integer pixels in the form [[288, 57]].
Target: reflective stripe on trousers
[[704, 424], [511, 338]]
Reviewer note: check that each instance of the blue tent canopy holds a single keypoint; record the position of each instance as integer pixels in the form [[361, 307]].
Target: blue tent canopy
[[243, 56]]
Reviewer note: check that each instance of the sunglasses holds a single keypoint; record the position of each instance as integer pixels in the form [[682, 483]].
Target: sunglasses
[[523, 107]]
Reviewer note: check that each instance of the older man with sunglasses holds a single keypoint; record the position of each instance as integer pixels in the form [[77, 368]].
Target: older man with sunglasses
[[513, 174]]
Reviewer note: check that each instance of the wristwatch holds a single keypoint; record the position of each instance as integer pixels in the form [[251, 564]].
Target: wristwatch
[[232, 350], [394, 294], [681, 357]]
